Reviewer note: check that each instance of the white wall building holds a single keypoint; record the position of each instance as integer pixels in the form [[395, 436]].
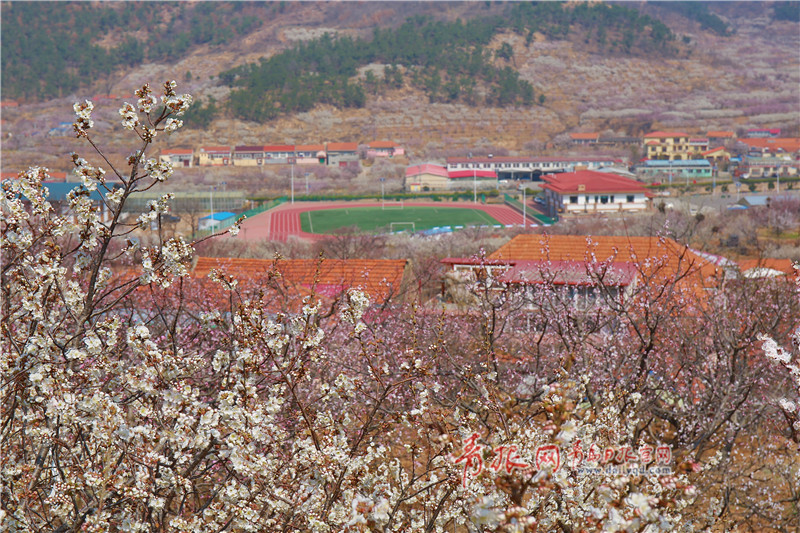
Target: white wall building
[[587, 192]]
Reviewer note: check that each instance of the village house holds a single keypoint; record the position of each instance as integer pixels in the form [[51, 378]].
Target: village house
[[768, 268], [342, 154], [218, 220], [179, 157], [384, 149], [618, 140], [584, 138], [281, 154], [765, 167], [762, 133], [309, 154], [381, 279], [667, 145], [589, 192], [665, 170], [696, 146], [212, 156], [432, 177], [586, 267], [720, 138], [248, 156], [532, 168], [771, 146], [718, 157]]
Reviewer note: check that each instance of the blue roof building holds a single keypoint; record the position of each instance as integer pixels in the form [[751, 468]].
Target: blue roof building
[[220, 219], [689, 168]]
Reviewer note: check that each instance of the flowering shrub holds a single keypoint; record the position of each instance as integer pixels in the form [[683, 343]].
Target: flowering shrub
[[136, 398]]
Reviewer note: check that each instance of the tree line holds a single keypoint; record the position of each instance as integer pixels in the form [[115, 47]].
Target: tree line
[[52, 52], [450, 61]]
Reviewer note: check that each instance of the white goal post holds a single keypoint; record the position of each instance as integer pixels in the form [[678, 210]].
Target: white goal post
[[391, 205], [393, 224]]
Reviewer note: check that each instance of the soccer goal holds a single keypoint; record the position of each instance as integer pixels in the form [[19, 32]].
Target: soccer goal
[[392, 205], [401, 225]]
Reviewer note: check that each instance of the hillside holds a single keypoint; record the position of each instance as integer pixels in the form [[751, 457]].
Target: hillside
[[582, 79]]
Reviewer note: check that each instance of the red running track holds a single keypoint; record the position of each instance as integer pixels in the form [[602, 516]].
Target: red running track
[[282, 222]]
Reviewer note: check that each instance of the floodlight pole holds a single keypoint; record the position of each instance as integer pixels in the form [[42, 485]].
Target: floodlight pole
[[292, 182], [474, 180], [211, 198], [524, 206], [306, 183]]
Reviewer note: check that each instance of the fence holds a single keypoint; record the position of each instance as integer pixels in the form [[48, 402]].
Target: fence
[[228, 222], [538, 217]]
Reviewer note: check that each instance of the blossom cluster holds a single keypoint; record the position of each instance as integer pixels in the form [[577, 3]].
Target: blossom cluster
[[140, 398]]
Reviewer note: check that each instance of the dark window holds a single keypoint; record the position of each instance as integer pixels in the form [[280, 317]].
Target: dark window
[[573, 199], [604, 199], [629, 198]]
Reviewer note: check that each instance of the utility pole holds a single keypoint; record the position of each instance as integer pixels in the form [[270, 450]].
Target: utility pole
[[383, 181], [306, 183], [713, 182], [292, 162]]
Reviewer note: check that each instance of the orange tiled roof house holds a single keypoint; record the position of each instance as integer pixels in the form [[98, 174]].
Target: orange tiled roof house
[[589, 269], [290, 280]]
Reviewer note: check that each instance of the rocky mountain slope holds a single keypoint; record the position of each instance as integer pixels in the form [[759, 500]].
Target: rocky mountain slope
[[748, 79]]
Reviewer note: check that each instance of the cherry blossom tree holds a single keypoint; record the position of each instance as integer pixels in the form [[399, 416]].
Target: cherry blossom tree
[[139, 398]]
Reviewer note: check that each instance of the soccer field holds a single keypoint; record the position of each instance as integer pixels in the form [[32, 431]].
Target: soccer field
[[377, 219]]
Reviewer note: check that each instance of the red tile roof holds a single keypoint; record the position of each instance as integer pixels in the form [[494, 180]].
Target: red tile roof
[[784, 266], [279, 148], [588, 181], [342, 147], [660, 257], [787, 144], [584, 136], [53, 176], [717, 149], [662, 134], [379, 278], [310, 147], [57, 176], [721, 134], [259, 149], [426, 168]]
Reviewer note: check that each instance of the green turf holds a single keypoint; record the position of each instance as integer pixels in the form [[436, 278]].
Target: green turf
[[377, 219]]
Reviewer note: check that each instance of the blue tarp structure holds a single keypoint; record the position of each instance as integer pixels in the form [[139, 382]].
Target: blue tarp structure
[[219, 217]]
